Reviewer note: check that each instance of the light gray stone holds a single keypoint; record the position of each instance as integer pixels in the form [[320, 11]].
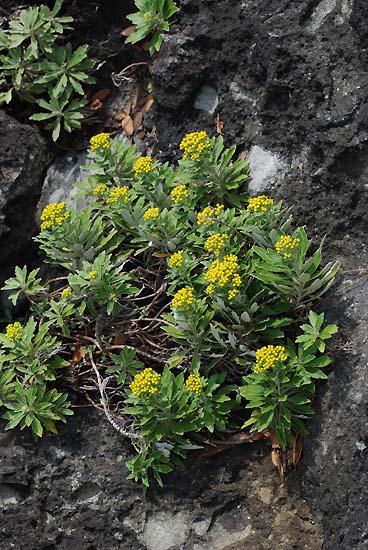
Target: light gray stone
[[165, 530], [207, 99], [265, 169]]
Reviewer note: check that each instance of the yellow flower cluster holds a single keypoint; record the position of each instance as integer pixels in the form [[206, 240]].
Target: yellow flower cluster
[[183, 299], [260, 204], [143, 166], [118, 193], [14, 331], [286, 245], [208, 214], [100, 141], [66, 292], [145, 382], [194, 384], [268, 356], [194, 144], [54, 214], [179, 194], [92, 275], [223, 272], [216, 243], [151, 214], [176, 259], [100, 190]]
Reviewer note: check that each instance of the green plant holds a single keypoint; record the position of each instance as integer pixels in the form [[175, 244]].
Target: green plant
[[191, 312], [36, 408], [281, 388], [152, 19], [36, 69], [62, 113]]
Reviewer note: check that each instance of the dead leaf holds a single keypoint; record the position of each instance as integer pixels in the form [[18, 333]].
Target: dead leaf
[[243, 155], [127, 125], [137, 120], [52, 428], [101, 94], [120, 116], [127, 31], [219, 125], [119, 340], [145, 46], [135, 101], [149, 102], [78, 354], [141, 135], [96, 104], [128, 108]]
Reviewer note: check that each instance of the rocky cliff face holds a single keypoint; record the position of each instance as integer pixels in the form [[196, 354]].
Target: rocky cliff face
[[289, 81], [22, 167]]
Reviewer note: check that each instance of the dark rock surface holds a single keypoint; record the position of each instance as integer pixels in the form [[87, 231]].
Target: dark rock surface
[[22, 166], [69, 492]]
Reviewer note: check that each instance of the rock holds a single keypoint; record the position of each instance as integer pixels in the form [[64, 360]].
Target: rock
[[335, 472], [166, 530], [61, 179], [265, 169], [206, 99], [68, 491], [22, 164]]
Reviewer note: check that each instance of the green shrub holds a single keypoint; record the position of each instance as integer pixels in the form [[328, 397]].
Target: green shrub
[[37, 70], [191, 311]]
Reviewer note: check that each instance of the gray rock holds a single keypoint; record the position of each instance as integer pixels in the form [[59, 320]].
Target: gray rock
[[265, 169], [61, 179], [70, 492], [206, 99], [22, 162]]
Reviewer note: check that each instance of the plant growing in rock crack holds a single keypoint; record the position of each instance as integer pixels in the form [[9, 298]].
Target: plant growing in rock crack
[[194, 315], [153, 18], [35, 68]]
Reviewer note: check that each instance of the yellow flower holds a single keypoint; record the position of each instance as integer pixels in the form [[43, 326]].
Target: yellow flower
[[194, 384], [286, 245], [210, 289], [143, 166], [216, 243], [118, 193], [54, 215], [179, 194], [268, 356], [209, 214], [100, 190], [233, 292], [66, 292], [145, 382], [194, 144], [260, 204], [222, 273], [92, 275], [183, 299], [151, 214], [176, 259], [100, 141], [14, 331]]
